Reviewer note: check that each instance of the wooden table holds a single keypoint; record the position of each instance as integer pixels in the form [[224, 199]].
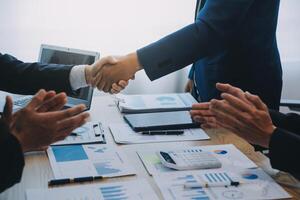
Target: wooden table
[[37, 171]]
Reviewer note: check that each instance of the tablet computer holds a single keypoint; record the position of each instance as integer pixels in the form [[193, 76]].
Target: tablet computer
[[161, 121]]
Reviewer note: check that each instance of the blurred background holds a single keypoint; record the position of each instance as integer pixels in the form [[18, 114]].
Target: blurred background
[[118, 27]]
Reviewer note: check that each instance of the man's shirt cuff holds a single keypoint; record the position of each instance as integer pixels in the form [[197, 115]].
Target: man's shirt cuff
[[77, 77]]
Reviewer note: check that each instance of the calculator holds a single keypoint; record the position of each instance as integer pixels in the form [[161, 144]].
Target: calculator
[[188, 159]]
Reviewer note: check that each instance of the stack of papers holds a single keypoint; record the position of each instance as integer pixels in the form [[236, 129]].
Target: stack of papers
[[255, 184], [155, 102], [73, 161], [108, 191], [123, 134]]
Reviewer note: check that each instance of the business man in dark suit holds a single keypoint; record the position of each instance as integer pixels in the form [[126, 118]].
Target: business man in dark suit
[[41, 122], [247, 116], [231, 41]]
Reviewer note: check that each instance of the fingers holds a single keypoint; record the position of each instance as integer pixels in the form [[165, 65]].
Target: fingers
[[206, 113], [209, 126], [97, 72], [200, 109], [63, 114], [49, 95], [7, 111], [226, 120], [107, 86], [97, 81], [65, 127], [234, 91], [200, 106], [57, 102], [37, 100], [123, 84], [237, 103], [104, 61], [116, 88], [257, 102]]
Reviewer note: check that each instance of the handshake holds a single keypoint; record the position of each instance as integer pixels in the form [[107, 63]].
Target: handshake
[[112, 73]]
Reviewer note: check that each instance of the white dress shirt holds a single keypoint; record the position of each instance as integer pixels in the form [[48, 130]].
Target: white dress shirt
[[77, 77]]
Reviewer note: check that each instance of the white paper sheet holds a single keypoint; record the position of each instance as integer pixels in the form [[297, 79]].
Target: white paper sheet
[[155, 102], [73, 161], [255, 184], [91, 132], [229, 155], [105, 191], [123, 134]]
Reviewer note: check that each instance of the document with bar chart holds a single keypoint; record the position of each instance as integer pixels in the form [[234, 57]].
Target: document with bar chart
[[254, 184], [227, 154], [125, 190], [73, 161]]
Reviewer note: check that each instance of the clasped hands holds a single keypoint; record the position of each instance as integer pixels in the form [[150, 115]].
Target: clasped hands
[[239, 112], [112, 73]]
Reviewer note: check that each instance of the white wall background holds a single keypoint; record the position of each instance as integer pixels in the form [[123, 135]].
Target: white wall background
[[120, 26], [114, 27], [288, 34]]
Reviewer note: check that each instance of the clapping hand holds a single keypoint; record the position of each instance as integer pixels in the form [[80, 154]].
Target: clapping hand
[[42, 122]]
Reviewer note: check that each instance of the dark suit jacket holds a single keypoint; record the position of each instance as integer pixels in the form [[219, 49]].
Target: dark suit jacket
[[232, 41], [27, 78], [285, 143], [24, 78]]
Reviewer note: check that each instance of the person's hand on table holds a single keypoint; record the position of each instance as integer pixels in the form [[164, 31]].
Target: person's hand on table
[[200, 113], [112, 73], [41, 122], [244, 114]]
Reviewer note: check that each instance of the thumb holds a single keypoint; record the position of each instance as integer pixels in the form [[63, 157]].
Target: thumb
[[109, 60], [7, 111]]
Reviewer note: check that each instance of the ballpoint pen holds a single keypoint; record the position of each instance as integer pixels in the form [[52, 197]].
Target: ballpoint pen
[[162, 132], [206, 185], [73, 180]]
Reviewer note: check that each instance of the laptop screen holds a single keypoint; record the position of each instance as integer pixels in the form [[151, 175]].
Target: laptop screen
[[60, 55]]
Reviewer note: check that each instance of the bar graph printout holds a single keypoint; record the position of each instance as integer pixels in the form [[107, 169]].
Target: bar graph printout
[[255, 184], [73, 161], [126, 190]]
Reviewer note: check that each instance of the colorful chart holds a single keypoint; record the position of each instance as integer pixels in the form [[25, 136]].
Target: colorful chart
[[69, 153], [217, 177], [105, 168], [81, 130], [220, 152], [165, 100], [250, 176], [187, 193], [114, 192], [98, 150]]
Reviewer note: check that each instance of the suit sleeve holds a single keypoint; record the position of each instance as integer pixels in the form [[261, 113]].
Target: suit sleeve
[[12, 160], [213, 30], [284, 151], [27, 78], [289, 122]]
